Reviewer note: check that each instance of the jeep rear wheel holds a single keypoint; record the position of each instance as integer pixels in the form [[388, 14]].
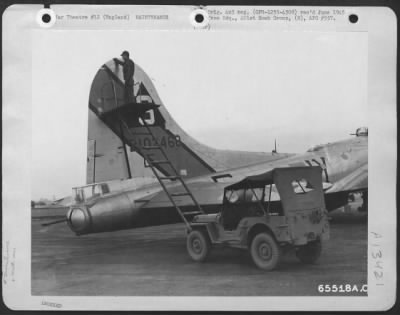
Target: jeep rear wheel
[[265, 252], [198, 245], [310, 253]]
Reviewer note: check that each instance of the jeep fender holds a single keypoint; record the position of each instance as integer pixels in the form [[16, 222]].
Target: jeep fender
[[258, 228]]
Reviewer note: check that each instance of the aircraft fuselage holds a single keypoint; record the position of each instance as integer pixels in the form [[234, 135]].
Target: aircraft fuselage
[[149, 205]]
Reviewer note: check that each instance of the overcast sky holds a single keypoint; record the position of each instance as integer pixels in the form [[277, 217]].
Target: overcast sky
[[229, 90]]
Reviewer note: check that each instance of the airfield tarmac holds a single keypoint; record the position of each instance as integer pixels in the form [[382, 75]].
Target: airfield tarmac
[[154, 261]]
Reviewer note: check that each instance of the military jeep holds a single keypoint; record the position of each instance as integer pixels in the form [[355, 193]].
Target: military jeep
[[267, 214]]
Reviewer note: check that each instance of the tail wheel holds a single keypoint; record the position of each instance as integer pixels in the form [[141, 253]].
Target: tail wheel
[[310, 253], [265, 251], [198, 245]]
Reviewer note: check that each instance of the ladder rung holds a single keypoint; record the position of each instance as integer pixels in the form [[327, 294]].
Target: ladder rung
[[192, 212], [180, 194], [149, 147], [169, 177], [160, 162]]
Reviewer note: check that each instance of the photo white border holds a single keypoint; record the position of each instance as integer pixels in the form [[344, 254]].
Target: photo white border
[[20, 20]]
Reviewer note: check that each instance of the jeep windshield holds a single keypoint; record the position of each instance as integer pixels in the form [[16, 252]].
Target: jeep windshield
[[244, 195]]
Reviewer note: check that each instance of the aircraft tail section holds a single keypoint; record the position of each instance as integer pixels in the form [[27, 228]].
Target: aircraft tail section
[[117, 132]]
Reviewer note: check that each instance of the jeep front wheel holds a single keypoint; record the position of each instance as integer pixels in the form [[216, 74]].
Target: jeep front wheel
[[265, 252], [198, 245]]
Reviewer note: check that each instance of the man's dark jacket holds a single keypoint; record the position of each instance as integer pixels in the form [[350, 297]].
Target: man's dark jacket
[[128, 69]]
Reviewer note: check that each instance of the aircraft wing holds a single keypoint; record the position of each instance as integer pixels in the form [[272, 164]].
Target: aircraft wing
[[357, 180], [206, 193]]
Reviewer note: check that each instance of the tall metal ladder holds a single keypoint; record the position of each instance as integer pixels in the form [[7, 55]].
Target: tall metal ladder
[[161, 179]]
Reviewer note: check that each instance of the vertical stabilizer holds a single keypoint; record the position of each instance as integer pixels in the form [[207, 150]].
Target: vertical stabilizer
[[107, 108]]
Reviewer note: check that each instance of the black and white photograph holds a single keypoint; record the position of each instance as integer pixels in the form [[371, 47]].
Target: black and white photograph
[[200, 158]]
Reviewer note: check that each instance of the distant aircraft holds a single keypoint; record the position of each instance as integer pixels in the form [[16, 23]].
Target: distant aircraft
[[143, 169]]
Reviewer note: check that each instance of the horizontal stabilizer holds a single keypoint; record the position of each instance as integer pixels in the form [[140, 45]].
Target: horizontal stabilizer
[[357, 180]]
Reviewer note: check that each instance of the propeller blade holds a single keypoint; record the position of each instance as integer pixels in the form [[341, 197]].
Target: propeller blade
[[54, 222]]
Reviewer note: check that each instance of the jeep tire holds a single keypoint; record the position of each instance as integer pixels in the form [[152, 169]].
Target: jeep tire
[[310, 253], [198, 245], [265, 251]]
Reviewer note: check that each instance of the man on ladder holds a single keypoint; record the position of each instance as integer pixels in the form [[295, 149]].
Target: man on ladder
[[128, 69]]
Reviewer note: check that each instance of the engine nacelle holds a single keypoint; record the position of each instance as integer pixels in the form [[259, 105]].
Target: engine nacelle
[[108, 213]]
